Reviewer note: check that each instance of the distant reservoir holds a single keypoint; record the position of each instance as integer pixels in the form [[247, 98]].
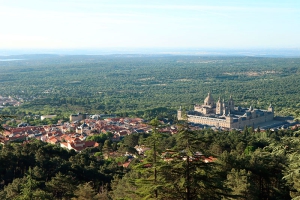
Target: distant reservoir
[[9, 59]]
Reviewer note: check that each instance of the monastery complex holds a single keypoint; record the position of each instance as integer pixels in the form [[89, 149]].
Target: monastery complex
[[226, 115]]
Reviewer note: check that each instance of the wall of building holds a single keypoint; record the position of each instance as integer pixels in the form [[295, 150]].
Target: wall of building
[[268, 116], [209, 121], [227, 123], [75, 118], [47, 117]]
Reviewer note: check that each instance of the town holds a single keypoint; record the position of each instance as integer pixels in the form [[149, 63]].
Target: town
[[73, 134]]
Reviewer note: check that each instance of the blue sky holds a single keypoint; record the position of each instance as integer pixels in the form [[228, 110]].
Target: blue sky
[[53, 24]]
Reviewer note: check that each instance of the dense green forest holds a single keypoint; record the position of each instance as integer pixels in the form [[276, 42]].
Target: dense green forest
[[137, 84], [248, 165]]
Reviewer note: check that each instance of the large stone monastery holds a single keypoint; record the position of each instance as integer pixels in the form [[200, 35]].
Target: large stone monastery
[[226, 115]]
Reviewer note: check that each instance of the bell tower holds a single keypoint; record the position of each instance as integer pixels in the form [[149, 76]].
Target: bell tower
[[231, 104], [270, 108], [179, 113], [219, 107]]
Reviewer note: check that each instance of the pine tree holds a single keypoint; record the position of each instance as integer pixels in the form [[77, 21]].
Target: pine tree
[[188, 176], [107, 148], [30, 185], [61, 186], [86, 192], [125, 188], [293, 175], [150, 166], [239, 181]]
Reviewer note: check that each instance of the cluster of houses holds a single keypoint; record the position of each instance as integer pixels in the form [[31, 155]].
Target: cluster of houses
[[72, 135], [169, 156], [8, 101]]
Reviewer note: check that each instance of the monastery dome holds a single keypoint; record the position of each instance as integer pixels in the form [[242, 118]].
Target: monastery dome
[[209, 100]]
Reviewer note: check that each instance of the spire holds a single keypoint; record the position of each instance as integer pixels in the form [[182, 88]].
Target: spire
[[270, 106]]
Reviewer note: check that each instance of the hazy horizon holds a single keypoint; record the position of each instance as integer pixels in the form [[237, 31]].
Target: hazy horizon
[[292, 52]]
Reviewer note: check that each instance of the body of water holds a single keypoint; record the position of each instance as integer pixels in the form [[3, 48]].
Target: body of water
[[9, 59]]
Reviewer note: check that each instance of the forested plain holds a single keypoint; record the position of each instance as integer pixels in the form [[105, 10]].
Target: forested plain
[[248, 164], [146, 85]]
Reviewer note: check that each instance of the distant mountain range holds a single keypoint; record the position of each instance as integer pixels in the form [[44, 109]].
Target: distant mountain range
[[292, 52]]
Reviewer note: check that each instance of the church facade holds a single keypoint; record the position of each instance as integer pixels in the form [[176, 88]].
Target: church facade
[[226, 114]]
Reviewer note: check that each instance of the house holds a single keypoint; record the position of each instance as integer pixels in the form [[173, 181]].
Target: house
[[126, 164], [141, 149], [209, 159], [53, 140], [47, 117], [123, 133], [78, 145], [78, 117], [115, 138]]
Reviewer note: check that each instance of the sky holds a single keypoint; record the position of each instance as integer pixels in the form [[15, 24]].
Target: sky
[[75, 24]]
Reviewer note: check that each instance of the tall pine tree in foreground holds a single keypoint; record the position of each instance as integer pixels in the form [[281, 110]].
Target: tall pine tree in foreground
[[150, 184], [188, 176]]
